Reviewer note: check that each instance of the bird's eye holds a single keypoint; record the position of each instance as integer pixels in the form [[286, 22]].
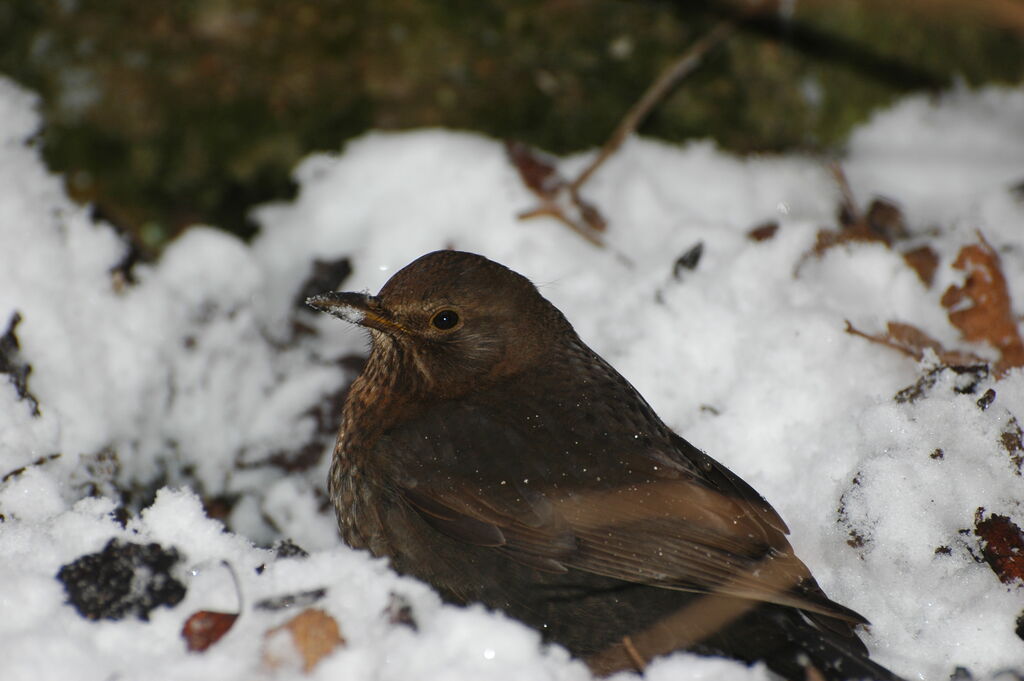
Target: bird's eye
[[445, 319]]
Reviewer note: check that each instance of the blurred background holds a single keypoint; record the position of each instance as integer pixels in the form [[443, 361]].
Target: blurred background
[[162, 115]]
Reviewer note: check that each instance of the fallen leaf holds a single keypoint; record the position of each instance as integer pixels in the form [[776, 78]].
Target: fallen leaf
[[536, 170], [883, 223], [1002, 545], [313, 635], [912, 342], [885, 219], [1012, 440], [827, 239], [924, 261], [558, 199], [206, 627], [981, 308], [763, 232]]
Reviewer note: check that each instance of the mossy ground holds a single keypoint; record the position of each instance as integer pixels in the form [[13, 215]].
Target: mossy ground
[[167, 114]]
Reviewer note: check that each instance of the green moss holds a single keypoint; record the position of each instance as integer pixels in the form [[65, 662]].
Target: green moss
[[165, 114]]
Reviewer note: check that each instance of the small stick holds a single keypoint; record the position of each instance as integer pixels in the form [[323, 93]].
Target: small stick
[[552, 210], [634, 655], [849, 204], [668, 78]]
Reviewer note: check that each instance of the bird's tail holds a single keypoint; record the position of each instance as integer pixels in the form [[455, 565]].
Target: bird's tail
[[796, 645], [812, 652]]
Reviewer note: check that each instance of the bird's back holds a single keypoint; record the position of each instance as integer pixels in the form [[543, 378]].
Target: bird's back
[[477, 497]]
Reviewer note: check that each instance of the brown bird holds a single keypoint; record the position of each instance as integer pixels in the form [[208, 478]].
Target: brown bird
[[486, 450]]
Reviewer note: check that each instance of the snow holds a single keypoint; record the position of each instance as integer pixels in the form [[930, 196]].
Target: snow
[[197, 378]]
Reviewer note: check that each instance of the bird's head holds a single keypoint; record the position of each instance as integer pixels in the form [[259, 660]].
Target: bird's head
[[457, 319]]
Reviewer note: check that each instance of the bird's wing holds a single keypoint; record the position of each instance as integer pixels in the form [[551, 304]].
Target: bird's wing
[[723, 479], [620, 517]]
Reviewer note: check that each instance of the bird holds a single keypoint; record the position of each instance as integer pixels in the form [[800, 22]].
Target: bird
[[485, 449]]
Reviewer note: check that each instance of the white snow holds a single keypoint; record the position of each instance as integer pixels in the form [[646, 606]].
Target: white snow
[[197, 378]]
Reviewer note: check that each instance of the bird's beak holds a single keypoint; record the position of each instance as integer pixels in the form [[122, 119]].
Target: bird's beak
[[355, 308]]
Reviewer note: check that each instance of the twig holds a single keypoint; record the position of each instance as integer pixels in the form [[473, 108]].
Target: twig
[[551, 209], [38, 462], [633, 653], [675, 72], [848, 205], [562, 200]]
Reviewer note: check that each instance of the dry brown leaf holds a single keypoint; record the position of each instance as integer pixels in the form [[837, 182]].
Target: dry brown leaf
[[1012, 440], [558, 198], [924, 261], [562, 200], [885, 219], [763, 232], [829, 238], [1002, 545], [912, 341], [883, 223], [981, 308], [314, 634], [204, 628], [536, 170]]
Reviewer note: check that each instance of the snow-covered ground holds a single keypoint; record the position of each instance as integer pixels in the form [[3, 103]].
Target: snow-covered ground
[[206, 377]]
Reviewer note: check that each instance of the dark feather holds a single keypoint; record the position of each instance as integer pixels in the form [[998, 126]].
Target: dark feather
[[500, 459]]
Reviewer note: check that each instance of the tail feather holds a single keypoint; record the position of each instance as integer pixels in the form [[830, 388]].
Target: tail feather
[[813, 652], [796, 645]]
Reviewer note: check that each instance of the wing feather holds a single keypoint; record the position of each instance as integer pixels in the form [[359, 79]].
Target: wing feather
[[676, 530]]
